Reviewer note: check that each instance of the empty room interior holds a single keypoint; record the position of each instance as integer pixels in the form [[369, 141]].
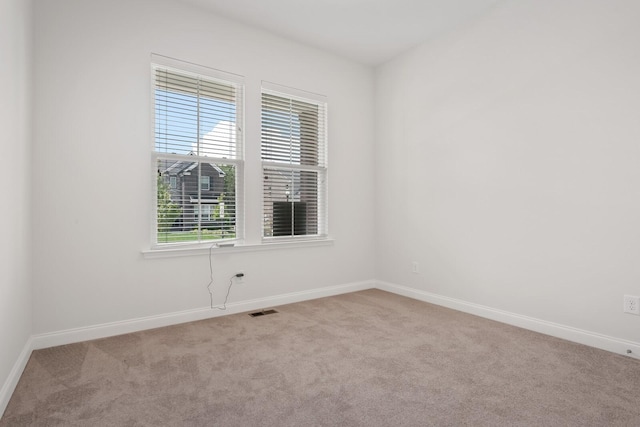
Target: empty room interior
[[374, 172]]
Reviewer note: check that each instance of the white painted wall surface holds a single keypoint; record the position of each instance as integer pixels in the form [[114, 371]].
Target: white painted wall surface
[[15, 213], [507, 163], [92, 183]]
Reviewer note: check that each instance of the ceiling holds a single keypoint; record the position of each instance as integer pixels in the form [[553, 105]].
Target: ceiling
[[367, 31]]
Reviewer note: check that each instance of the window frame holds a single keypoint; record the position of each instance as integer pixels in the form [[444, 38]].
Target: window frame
[[321, 168], [204, 187], [238, 161], [199, 211]]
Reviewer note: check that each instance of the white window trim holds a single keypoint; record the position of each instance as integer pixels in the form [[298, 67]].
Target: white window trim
[[298, 94], [208, 178], [225, 77], [237, 245], [221, 248], [323, 197]]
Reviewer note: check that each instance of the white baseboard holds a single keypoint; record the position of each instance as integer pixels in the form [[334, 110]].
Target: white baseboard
[[70, 336], [104, 330], [592, 339], [14, 376]]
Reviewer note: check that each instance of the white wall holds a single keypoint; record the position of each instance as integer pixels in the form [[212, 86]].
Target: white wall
[[506, 165], [15, 213], [92, 181], [507, 162]]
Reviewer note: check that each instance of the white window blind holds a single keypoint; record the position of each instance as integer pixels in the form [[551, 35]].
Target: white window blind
[[294, 162], [197, 153]]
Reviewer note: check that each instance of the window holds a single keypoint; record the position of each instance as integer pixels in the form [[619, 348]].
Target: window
[[204, 183], [197, 143], [294, 164], [203, 211]]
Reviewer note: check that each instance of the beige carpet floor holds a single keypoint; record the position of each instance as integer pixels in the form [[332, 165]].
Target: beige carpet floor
[[368, 358]]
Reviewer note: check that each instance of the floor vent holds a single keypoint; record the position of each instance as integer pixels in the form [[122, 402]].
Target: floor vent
[[262, 313]]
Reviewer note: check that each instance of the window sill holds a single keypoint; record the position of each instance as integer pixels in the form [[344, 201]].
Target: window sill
[[205, 249]]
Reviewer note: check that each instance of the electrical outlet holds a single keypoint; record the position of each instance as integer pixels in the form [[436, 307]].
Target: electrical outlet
[[631, 304]]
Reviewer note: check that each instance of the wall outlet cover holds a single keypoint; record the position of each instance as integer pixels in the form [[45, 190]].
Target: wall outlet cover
[[631, 304]]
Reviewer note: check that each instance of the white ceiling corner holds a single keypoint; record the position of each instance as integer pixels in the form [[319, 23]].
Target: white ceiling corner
[[367, 31]]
